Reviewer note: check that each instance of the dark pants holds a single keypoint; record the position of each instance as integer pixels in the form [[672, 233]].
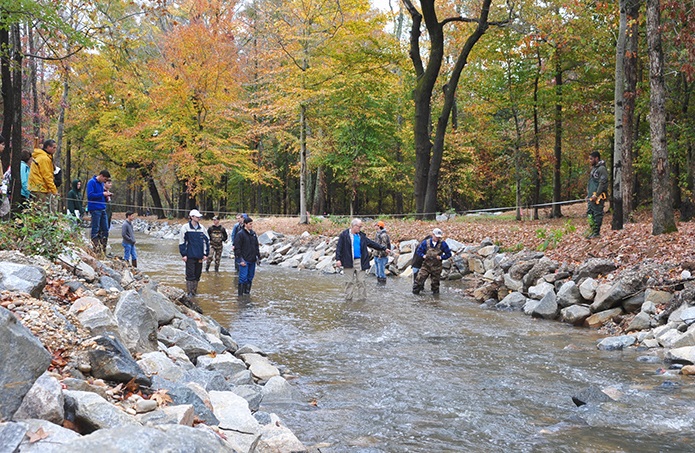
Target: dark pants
[[246, 273], [100, 226], [194, 269], [595, 214], [215, 254]]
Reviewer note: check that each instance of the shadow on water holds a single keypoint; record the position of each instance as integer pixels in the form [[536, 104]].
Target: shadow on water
[[399, 373]]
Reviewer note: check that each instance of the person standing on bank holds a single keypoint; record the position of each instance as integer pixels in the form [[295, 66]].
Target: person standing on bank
[[381, 258], [432, 251], [218, 235], [128, 236], [194, 246], [41, 180], [24, 171], [247, 250], [352, 254], [96, 205], [75, 207], [596, 194], [238, 226]]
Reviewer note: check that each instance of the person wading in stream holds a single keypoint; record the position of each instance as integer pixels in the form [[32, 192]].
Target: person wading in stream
[[352, 248], [433, 251], [381, 259], [217, 235], [247, 250], [194, 246]]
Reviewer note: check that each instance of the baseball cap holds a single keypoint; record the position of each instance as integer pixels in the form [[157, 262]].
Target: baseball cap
[[215, 218], [195, 213], [381, 224], [437, 233]]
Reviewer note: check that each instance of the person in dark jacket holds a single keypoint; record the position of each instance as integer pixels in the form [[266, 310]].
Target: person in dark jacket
[[418, 260], [128, 236], [433, 251], [352, 247], [194, 246], [596, 194], [75, 207], [248, 253], [217, 235], [96, 205], [380, 260], [238, 226]]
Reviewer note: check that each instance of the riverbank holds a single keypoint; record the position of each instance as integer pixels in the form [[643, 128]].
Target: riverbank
[[96, 355]]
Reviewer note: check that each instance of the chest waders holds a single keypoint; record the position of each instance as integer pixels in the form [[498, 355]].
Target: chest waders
[[431, 267]]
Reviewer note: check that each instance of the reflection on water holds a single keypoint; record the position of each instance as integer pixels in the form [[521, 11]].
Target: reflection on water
[[400, 373]]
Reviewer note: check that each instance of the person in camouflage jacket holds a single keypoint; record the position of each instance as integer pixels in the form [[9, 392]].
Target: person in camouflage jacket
[[596, 190], [218, 236]]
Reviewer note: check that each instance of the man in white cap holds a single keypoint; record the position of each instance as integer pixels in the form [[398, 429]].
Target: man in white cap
[[194, 246], [433, 251]]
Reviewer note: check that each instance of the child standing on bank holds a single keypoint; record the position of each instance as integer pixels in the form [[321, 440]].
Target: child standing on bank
[[129, 239]]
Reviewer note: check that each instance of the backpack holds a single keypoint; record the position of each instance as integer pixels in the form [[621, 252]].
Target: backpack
[[58, 176]]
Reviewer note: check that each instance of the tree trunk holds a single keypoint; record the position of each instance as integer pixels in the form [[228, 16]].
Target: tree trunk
[[59, 135], [302, 165], [16, 43], [629, 98], [663, 220], [557, 187], [33, 76], [7, 101], [618, 100], [538, 164]]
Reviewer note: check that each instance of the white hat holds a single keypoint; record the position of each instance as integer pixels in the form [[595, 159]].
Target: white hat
[[437, 233], [195, 213]]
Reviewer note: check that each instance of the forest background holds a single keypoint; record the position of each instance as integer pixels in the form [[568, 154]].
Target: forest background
[[302, 107]]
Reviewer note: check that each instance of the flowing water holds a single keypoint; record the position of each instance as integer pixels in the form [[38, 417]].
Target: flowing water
[[404, 373]]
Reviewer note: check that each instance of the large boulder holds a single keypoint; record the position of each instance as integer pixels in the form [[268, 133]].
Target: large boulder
[[512, 301], [641, 321], [275, 438], [54, 438], [91, 412], [193, 345], [547, 308], [22, 278], [226, 364], [542, 267], [599, 319], [94, 315], [591, 395], [260, 366], [233, 412], [588, 288], [43, 401], [595, 267], [181, 394], [165, 311], [539, 291], [24, 359], [111, 361], [569, 294], [160, 364], [616, 343], [11, 436], [575, 314], [278, 390], [137, 323], [629, 283]]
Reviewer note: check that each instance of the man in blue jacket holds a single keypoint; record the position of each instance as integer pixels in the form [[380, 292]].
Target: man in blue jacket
[[194, 246], [432, 251], [351, 250], [96, 205]]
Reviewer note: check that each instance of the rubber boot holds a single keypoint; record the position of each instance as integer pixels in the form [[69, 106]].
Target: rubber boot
[[241, 289], [134, 263], [207, 266], [104, 243], [217, 267], [189, 288], [96, 243], [247, 288], [194, 285]]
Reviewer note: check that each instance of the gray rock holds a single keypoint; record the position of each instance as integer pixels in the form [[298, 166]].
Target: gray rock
[[43, 401], [616, 343], [179, 357], [252, 393], [233, 412], [278, 390], [90, 412], [112, 362], [84, 386], [630, 282], [488, 250], [568, 294], [513, 285], [547, 308], [455, 245], [137, 324], [250, 349], [641, 321], [512, 301], [208, 380], [542, 267], [275, 437], [591, 395], [11, 435], [165, 311], [260, 366], [408, 246], [226, 364], [588, 288], [94, 315], [110, 284], [106, 270], [158, 363], [57, 440], [192, 345], [658, 297], [599, 319], [594, 267], [687, 315], [649, 307], [404, 260], [24, 359], [164, 438], [460, 265], [267, 238], [575, 314], [519, 269], [84, 270], [539, 291], [22, 278], [681, 355], [181, 394], [476, 265], [633, 303], [182, 414], [530, 306]]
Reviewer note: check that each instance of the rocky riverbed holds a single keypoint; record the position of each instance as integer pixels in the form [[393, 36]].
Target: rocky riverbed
[[94, 354]]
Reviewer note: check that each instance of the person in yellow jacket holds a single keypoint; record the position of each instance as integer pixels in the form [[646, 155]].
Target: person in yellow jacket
[[41, 182]]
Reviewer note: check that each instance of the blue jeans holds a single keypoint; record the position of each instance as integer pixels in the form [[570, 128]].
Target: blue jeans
[[129, 252], [246, 273], [380, 264], [100, 226]]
